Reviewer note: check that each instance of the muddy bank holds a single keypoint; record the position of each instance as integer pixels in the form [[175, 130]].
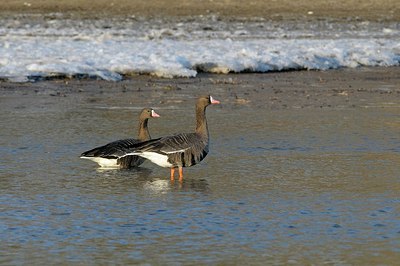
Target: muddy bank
[[345, 88], [284, 9]]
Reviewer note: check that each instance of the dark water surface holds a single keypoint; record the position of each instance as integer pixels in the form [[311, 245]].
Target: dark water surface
[[300, 186]]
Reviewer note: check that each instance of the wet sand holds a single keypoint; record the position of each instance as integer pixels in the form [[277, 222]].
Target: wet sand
[[343, 88], [283, 9]]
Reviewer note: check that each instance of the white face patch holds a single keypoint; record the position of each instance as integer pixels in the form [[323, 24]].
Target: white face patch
[[213, 101], [154, 114]]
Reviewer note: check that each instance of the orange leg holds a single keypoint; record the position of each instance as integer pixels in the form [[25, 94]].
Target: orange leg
[[180, 174], [172, 174]]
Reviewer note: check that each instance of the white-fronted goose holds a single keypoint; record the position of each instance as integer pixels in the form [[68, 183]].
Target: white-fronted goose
[[106, 156], [180, 150]]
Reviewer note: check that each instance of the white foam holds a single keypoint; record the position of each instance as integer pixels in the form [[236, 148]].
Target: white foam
[[38, 51]]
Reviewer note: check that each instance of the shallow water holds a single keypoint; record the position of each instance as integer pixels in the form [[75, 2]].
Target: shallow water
[[286, 186]]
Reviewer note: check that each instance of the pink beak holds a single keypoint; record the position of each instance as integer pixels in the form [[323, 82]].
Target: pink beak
[[154, 114], [214, 101]]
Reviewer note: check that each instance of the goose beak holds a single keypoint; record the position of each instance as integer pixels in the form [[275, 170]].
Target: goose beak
[[154, 114], [214, 101]]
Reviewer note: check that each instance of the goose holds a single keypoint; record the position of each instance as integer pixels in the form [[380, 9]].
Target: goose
[[105, 155], [180, 150]]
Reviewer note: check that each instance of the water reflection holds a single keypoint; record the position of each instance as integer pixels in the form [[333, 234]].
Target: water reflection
[[163, 186], [140, 179]]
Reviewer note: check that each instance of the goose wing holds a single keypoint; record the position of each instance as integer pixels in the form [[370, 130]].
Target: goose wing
[[112, 149], [167, 145]]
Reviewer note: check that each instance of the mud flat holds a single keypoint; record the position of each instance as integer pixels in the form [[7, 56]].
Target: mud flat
[[285, 9], [344, 88]]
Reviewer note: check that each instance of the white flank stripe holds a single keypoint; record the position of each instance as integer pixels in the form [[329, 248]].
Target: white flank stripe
[[103, 162], [159, 159]]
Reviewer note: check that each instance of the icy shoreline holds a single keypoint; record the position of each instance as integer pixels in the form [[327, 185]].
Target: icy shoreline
[[112, 49]]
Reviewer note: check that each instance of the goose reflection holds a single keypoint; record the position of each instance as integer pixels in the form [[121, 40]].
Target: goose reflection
[[163, 186], [141, 178]]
